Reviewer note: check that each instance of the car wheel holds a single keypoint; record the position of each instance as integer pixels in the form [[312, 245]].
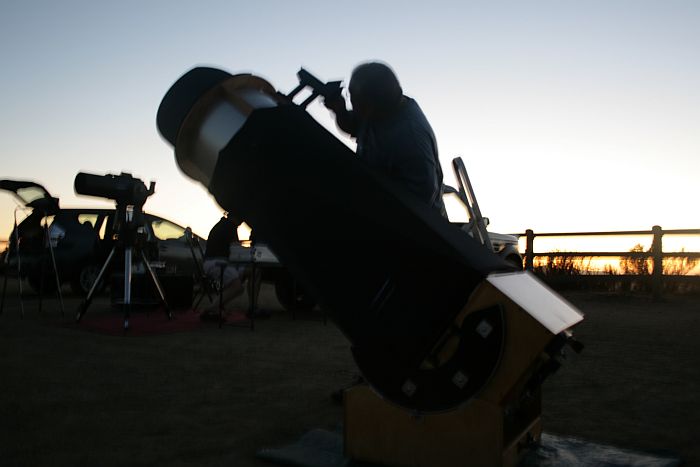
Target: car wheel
[[83, 280], [291, 296]]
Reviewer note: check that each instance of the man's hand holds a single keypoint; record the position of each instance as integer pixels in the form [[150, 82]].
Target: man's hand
[[335, 103], [344, 118]]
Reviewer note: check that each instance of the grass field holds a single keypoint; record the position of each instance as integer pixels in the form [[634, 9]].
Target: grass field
[[213, 396]]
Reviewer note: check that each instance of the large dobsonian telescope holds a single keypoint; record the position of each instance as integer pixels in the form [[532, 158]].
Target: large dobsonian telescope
[[439, 325]]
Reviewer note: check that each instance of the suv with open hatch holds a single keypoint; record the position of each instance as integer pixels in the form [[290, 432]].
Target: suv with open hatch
[[81, 239]]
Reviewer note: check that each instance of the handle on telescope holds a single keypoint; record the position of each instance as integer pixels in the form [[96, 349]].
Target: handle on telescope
[[328, 90]]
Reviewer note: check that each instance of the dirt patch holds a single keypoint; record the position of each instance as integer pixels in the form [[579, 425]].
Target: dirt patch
[[637, 382]]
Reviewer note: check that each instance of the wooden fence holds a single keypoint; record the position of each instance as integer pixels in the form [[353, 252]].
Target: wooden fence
[[657, 278]]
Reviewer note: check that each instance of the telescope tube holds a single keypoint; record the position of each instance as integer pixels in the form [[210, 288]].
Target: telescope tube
[[389, 270]]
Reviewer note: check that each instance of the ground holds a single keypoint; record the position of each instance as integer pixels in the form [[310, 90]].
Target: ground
[[213, 396]]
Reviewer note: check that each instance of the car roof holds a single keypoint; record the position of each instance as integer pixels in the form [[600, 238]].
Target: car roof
[[35, 196], [90, 210]]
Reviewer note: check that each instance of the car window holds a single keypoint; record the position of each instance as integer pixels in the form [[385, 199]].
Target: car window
[[31, 193], [91, 218], [166, 230], [46, 220], [102, 227]]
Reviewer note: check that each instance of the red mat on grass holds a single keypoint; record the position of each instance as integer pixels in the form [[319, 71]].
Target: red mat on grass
[[150, 323]]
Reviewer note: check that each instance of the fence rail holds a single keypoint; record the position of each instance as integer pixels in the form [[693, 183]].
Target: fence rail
[[656, 254]]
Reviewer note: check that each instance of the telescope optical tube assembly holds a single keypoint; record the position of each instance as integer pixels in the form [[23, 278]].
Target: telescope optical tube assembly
[[396, 277]]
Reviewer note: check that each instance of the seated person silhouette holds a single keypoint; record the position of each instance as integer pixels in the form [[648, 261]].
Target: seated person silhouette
[[216, 255]]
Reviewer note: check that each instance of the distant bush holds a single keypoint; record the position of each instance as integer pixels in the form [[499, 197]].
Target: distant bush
[[672, 266], [563, 265], [634, 272], [680, 265], [562, 269], [636, 266]]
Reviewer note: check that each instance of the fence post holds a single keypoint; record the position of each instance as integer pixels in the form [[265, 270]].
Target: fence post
[[529, 250], [657, 263]]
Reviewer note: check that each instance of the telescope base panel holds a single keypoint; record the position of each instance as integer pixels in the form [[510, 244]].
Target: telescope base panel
[[477, 434]]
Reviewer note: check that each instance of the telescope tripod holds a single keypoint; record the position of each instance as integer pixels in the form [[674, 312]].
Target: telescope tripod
[[47, 242], [128, 247]]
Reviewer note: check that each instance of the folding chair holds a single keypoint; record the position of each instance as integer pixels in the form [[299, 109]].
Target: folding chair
[[207, 286]]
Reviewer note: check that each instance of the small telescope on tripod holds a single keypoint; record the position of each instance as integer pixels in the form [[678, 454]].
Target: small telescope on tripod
[[130, 194]]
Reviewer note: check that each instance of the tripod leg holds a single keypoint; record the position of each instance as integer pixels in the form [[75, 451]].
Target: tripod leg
[[42, 271], [47, 239], [58, 280], [199, 299], [82, 308], [4, 289], [127, 286], [157, 284], [252, 296], [222, 266], [205, 293], [19, 283], [19, 275], [19, 269]]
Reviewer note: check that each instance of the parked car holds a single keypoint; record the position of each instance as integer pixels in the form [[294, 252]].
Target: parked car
[[82, 239], [504, 245]]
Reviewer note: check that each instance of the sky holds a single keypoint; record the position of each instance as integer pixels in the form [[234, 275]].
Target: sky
[[569, 115]]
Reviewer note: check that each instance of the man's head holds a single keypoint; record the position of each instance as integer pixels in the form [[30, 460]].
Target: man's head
[[374, 90]]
